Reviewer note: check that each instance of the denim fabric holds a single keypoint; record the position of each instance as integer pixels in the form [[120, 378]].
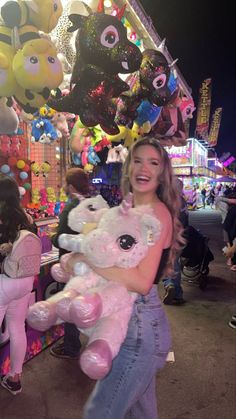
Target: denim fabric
[[128, 391], [176, 281], [72, 343]]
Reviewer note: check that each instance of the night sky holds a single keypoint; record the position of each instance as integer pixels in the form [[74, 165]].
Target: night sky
[[202, 35]]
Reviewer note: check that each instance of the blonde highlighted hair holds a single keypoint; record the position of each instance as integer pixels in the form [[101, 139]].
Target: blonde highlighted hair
[[167, 192]]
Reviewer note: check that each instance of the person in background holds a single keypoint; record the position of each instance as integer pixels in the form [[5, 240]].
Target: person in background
[[173, 289], [14, 292], [203, 195], [129, 388], [229, 226], [76, 187], [212, 197]]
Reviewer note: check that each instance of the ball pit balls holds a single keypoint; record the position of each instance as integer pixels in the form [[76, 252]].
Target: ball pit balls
[[5, 169], [27, 186], [20, 164], [23, 175], [12, 161], [22, 191], [11, 174]]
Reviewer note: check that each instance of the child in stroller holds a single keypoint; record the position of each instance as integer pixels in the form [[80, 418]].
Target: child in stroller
[[196, 257]]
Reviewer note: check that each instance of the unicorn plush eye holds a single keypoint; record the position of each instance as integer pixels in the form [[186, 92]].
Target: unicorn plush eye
[[109, 37], [159, 81], [126, 242]]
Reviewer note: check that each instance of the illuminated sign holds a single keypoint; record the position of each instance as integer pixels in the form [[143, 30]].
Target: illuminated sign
[[97, 180]]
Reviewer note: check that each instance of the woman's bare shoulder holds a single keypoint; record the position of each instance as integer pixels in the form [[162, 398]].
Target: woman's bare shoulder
[[162, 212]]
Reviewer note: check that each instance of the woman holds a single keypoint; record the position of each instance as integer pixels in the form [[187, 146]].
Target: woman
[[14, 293], [76, 186], [129, 389]]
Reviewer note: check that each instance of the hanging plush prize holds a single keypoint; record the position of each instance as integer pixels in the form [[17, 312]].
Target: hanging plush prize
[[102, 52]]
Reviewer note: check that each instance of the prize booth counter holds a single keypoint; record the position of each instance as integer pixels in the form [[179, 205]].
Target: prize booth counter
[[44, 287]]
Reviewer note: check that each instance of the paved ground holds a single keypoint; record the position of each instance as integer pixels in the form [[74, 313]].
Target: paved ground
[[200, 384]]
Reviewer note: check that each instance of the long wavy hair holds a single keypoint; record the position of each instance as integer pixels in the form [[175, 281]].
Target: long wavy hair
[[12, 215], [167, 192]]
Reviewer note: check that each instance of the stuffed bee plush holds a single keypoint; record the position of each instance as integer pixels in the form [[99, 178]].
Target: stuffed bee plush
[[7, 77], [42, 14], [29, 67]]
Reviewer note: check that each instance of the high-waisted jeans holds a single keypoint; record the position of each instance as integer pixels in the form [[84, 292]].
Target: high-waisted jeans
[[14, 301], [129, 390]]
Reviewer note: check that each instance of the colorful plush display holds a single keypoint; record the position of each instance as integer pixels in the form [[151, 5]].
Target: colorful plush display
[[100, 308], [102, 51]]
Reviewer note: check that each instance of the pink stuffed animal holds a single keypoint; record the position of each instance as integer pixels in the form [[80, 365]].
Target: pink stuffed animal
[[100, 308], [59, 120]]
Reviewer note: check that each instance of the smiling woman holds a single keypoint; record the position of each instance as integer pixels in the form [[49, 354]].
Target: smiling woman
[[147, 172]]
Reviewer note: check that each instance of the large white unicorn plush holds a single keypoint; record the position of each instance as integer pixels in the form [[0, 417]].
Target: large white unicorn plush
[[101, 309]]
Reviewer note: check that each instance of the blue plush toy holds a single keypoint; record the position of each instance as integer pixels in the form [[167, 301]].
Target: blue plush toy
[[43, 131], [92, 156], [76, 158]]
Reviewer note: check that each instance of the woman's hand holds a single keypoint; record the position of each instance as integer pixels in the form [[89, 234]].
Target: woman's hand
[[69, 260], [5, 248]]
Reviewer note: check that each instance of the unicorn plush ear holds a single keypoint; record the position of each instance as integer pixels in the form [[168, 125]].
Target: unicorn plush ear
[[77, 22]]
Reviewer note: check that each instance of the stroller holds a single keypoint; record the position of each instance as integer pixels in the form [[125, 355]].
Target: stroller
[[195, 258]]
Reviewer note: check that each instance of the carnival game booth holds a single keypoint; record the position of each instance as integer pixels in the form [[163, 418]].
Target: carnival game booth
[[65, 103], [190, 163]]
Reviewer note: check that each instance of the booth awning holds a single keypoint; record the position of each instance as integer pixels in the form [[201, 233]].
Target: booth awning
[[226, 179]]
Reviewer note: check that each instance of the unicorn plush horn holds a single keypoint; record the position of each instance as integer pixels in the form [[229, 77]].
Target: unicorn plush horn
[[126, 204]]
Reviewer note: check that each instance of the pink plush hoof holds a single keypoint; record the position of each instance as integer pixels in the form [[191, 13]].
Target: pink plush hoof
[[64, 260], [59, 274], [42, 315], [63, 305], [85, 310], [96, 359]]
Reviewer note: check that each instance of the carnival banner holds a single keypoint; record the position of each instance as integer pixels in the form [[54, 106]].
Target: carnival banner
[[215, 127], [203, 111]]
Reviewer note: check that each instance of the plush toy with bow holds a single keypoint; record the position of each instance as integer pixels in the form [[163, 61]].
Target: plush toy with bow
[[102, 52], [100, 308]]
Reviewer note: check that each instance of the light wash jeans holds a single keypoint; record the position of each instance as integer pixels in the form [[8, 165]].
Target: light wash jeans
[[129, 390], [176, 281], [14, 301]]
